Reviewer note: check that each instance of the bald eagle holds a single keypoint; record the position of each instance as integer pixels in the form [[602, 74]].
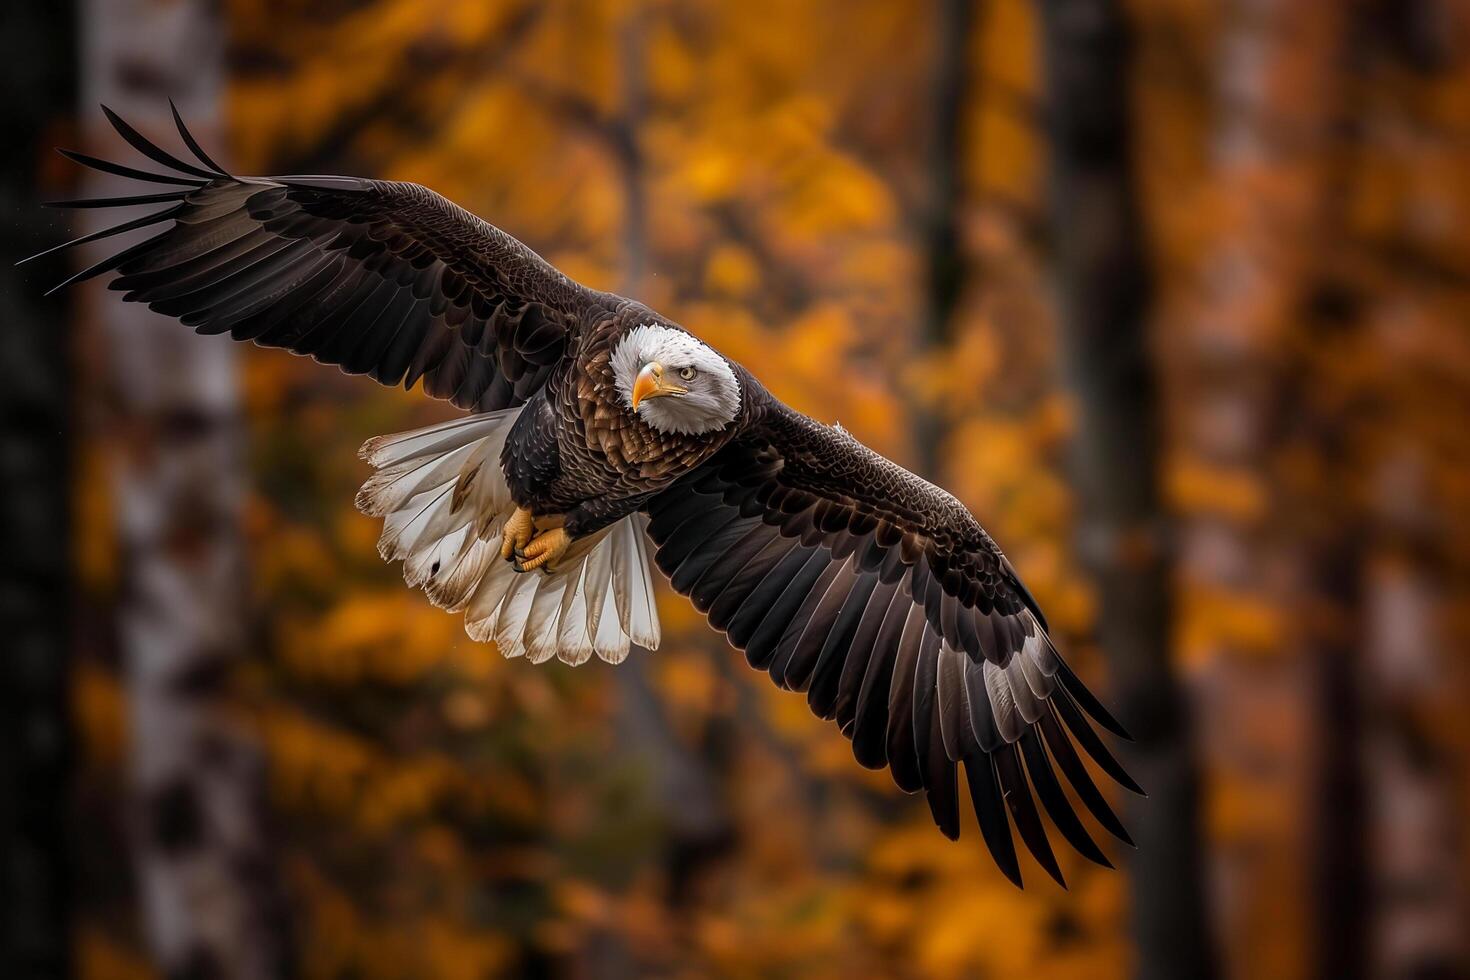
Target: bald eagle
[[597, 430]]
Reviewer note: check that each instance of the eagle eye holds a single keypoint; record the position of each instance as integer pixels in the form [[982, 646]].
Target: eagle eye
[[687, 373]]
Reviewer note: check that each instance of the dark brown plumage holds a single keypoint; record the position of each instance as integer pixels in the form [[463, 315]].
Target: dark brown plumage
[[838, 572]]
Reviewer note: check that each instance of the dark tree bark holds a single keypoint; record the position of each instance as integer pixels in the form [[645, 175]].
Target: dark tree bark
[[943, 258], [1339, 857], [1102, 272], [1329, 531], [38, 41]]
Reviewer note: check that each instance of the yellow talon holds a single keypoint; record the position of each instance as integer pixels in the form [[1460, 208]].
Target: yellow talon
[[516, 534], [544, 549]]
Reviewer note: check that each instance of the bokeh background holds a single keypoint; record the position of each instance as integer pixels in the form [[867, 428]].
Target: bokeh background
[[1174, 294]]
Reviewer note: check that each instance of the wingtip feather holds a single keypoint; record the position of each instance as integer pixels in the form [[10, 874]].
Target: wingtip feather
[[152, 150], [1090, 703], [117, 169], [193, 144]]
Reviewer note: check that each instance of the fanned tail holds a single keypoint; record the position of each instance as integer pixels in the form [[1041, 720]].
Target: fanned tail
[[444, 502]]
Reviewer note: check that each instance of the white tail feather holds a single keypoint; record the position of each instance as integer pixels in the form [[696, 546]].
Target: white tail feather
[[633, 585], [444, 501], [510, 624], [542, 629], [572, 642]]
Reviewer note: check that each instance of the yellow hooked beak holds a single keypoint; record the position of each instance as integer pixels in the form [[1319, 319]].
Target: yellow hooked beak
[[650, 384]]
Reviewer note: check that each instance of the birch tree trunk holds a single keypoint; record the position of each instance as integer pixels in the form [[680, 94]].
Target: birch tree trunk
[[38, 44], [1258, 683], [208, 894], [1415, 816], [1105, 290], [1412, 576]]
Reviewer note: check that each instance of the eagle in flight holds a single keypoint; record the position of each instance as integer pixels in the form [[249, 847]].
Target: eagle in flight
[[598, 430]]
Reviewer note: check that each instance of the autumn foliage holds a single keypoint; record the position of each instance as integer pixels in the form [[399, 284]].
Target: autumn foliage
[[758, 172]]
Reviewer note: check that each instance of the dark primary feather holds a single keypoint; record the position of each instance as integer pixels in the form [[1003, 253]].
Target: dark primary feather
[[382, 278], [877, 593], [156, 153], [192, 143]]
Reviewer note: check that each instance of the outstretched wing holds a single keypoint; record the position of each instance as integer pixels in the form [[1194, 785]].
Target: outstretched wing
[[382, 278], [879, 595]]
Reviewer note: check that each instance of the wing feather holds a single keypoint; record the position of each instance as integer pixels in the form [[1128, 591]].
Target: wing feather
[[382, 278], [902, 749], [878, 595]]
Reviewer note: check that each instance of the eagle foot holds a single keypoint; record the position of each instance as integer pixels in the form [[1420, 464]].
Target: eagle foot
[[543, 550], [516, 534]]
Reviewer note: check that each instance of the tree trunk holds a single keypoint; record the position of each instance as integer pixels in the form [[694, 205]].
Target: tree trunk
[[38, 41], [1105, 297], [1415, 779], [1327, 527], [688, 782], [208, 894], [685, 784], [1259, 681], [1411, 864], [943, 259]]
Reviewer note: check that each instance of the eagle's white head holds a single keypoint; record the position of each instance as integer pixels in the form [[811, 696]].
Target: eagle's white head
[[673, 382]]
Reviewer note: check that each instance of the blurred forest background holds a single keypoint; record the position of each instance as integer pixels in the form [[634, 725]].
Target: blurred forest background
[[1174, 294]]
